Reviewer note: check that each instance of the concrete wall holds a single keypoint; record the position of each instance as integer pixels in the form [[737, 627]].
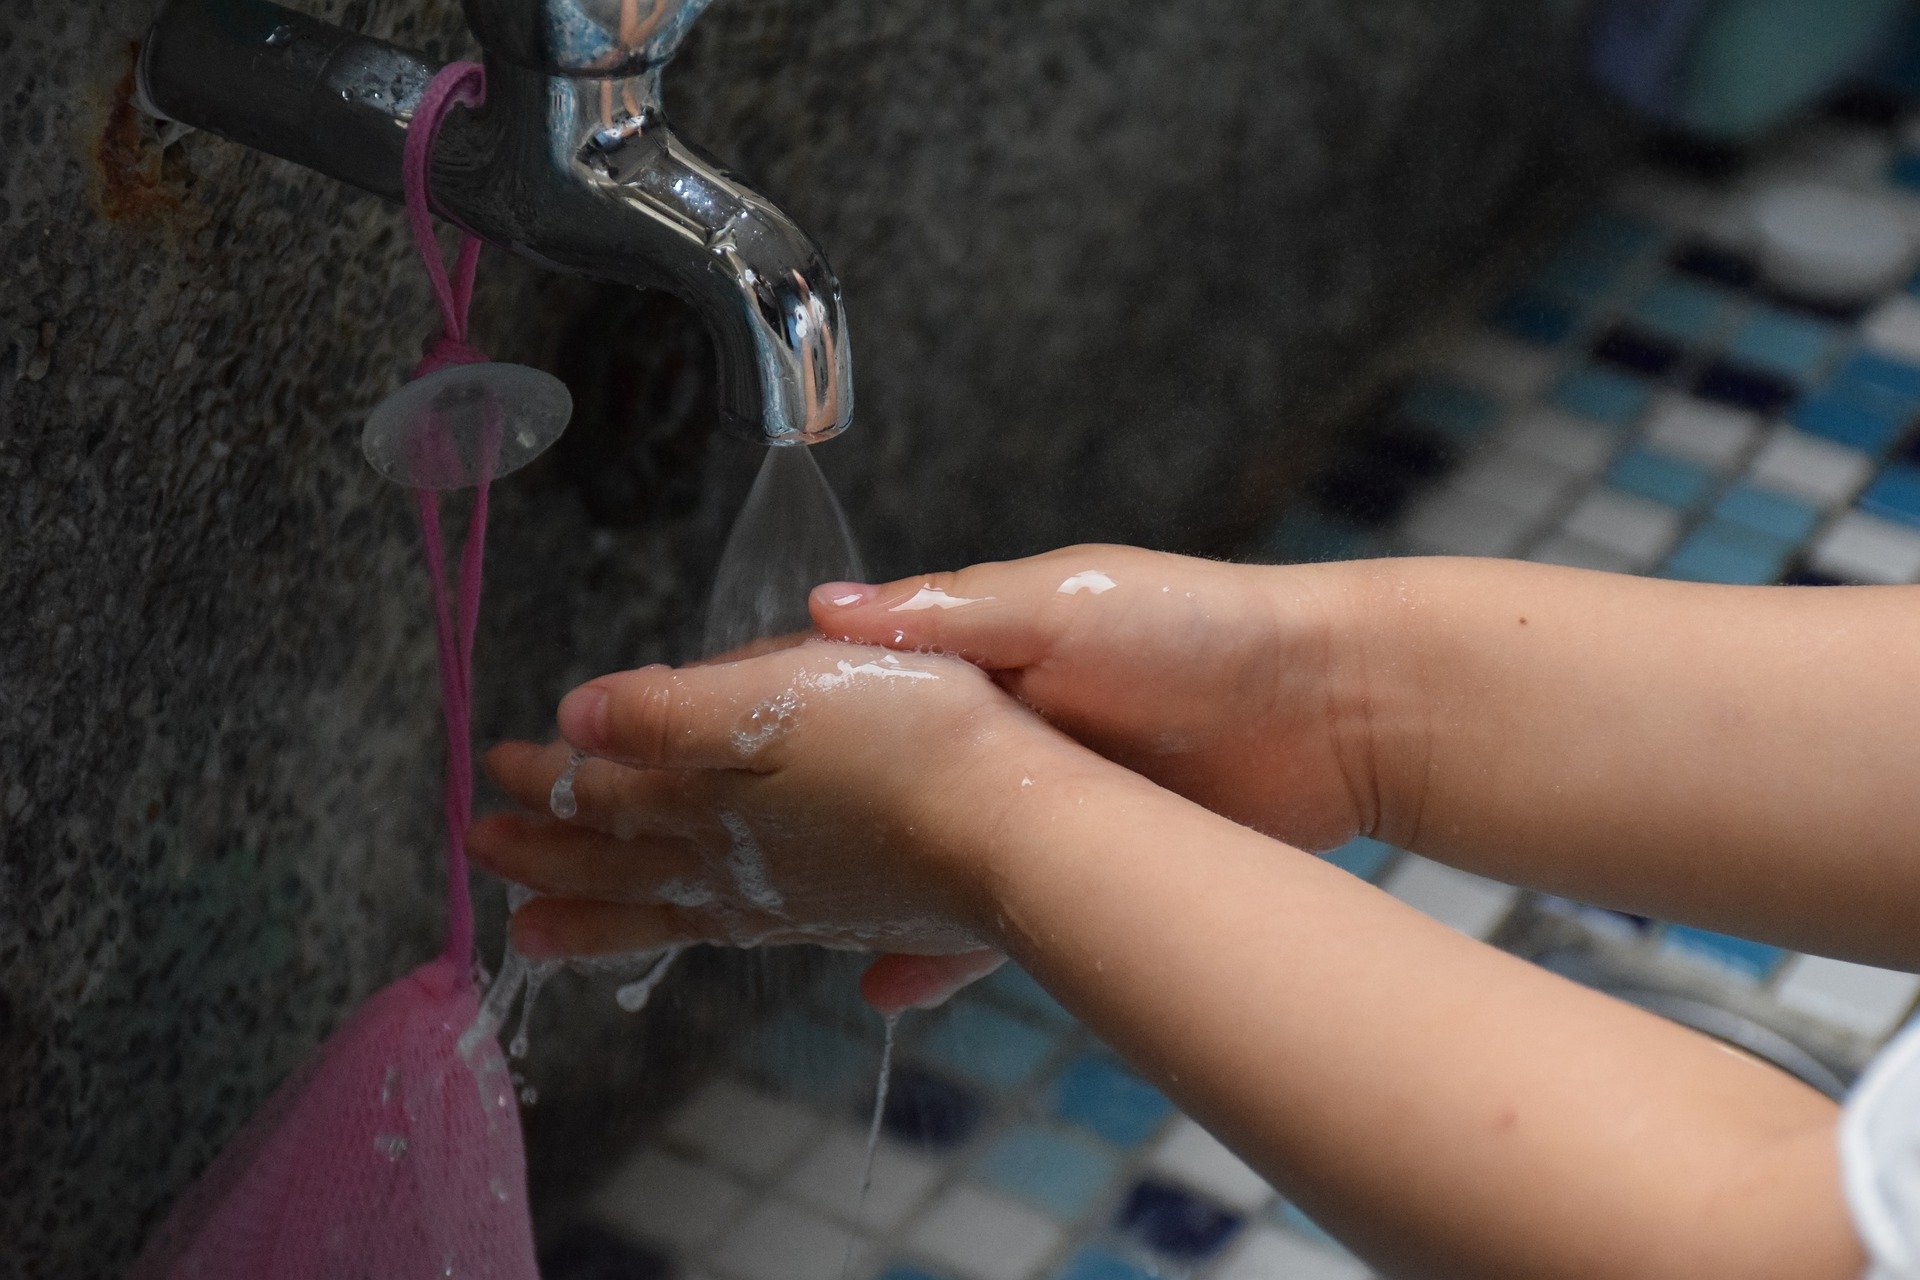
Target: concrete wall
[[1103, 258]]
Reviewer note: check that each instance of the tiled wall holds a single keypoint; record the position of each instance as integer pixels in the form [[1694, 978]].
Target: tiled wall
[[1640, 404]]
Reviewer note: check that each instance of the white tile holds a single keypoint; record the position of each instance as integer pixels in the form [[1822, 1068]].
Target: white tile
[[1267, 1253], [1865, 548], [1894, 327], [1458, 899], [1516, 371], [1575, 554], [1632, 527], [1716, 435], [1193, 1156], [1451, 523], [1818, 470], [829, 1179], [779, 1241], [1575, 445], [660, 1197], [742, 1129], [982, 1236], [1517, 481], [1867, 1001]]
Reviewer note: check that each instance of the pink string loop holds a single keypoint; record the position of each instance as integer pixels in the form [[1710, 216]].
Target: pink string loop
[[456, 619]]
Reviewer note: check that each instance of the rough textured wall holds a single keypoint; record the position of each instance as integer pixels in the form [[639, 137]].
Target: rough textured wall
[[1099, 255]]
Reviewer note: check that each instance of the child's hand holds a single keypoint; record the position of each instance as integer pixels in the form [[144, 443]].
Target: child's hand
[[1222, 682], [824, 793]]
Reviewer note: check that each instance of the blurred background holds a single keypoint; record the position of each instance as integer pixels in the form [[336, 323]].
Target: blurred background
[[1621, 284]]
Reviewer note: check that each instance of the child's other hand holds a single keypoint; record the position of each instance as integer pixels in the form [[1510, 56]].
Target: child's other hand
[[824, 793], [1218, 681]]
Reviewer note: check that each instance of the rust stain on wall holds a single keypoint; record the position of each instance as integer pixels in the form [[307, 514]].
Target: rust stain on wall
[[132, 184]]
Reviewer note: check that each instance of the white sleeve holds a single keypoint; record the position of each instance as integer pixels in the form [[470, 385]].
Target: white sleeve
[[1880, 1159]]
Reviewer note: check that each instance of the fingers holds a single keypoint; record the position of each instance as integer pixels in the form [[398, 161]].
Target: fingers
[[562, 928], [895, 983], [610, 797], [658, 718], [1001, 616], [558, 858]]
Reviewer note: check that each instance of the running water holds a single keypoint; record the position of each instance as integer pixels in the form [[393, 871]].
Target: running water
[[873, 1137], [790, 537]]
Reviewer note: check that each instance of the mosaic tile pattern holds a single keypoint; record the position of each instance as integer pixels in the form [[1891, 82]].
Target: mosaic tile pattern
[[1639, 404]]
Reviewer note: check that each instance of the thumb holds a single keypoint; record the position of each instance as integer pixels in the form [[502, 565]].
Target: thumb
[[895, 983]]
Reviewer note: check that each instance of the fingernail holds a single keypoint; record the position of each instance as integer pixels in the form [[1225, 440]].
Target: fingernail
[[843, 595], [583, 716]]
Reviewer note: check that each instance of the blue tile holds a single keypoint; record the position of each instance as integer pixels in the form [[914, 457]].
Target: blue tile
[[1602, 394], [1575, 275], [1860, 422], [1535, 318], [1176, 1222], [1895, 494], [1097, 1093], [1059, 1173], [1015, 986], [1297, 1220], [1362, 855], [1781, 342], [1881, 372], [1613, 235], [1904, 171], [1721, 552], [810, 1059], [1716, 265], [1449, 408], [1309, 535], [1097, 1264], [1755, 959], [980, 1043], [905, 1271], [1637, 351], [1681, 309], [1779, 517], [1660, 478], [929, 1110]]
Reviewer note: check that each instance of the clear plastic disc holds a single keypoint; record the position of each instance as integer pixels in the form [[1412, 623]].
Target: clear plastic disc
[[465, 424]]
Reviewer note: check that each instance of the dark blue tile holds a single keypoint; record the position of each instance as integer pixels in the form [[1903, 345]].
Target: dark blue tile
[[1745, 388], [1094, 1263], [1097, 1093], [1716, 265], [1805, 577], [1176, 1222], [1781, 342], [906, 1271], [1015, 986], [1869, 424], [1535, 318], [1456, 412], [1895, 495], [588, 1252], [1904, 171], [1683, 310], [1637, 351], [929, 1110], [1308, 535]]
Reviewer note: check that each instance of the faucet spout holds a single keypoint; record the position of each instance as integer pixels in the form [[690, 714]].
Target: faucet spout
[[576, 170]]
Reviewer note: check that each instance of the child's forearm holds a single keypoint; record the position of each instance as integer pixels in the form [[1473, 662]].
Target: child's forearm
[[1742, 758], [1445, 1107]]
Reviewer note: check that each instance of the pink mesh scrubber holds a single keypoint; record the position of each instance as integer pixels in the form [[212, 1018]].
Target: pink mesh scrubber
[[395, 1152]]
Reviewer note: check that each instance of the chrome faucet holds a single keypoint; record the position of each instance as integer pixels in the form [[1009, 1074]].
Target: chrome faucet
[[570, 163]]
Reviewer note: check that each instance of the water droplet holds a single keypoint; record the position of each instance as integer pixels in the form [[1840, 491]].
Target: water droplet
[[529, 1096], [387, 1085], [280, 35], [633, 997], [390, 1145], [561, 799], [498, 1188]]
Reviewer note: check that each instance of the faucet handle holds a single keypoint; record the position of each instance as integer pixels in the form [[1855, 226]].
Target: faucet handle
[[584, 38]]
